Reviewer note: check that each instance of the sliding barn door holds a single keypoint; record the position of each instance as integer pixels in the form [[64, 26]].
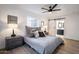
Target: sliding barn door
[[52, 27]]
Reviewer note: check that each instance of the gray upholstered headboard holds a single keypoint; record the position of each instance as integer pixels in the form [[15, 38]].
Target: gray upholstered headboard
[[29, 30]]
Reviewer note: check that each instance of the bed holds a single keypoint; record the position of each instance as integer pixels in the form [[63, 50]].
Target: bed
[[44, 45]]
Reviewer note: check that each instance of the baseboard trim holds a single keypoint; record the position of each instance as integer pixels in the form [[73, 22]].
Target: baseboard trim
[[72, 39]]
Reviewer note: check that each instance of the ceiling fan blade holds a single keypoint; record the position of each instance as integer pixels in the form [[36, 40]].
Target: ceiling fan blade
[[44, 8], [44, 11], [56, 10], [54, 6]]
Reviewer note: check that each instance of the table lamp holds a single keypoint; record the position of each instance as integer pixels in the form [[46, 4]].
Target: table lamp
[[12, 22], [13, 26]]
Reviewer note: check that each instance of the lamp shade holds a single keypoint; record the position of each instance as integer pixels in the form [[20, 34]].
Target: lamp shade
[[13, 26]]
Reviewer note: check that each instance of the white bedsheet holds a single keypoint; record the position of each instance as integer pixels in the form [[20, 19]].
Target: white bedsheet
[[44, 44]]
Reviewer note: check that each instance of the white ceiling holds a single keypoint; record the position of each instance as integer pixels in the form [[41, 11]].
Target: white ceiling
[[36, 8]]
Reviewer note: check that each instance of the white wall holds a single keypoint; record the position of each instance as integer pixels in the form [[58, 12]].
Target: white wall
[[72, 26], [22, 17]]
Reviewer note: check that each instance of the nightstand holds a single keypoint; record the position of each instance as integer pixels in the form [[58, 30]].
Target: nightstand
[[13, 42]]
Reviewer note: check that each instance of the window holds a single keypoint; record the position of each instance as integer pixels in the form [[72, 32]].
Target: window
[[60, 24], [32, 22]]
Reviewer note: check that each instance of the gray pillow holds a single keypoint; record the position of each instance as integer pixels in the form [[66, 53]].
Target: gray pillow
[[28, 31]]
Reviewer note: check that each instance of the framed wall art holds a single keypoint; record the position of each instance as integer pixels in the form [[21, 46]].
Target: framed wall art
[[11, 19]]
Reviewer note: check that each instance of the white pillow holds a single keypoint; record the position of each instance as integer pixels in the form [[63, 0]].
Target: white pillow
[[36, 34]]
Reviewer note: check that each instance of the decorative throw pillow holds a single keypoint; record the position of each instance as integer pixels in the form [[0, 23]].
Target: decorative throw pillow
[[36, 34], [41, 34], [46, 33], [28, 31]]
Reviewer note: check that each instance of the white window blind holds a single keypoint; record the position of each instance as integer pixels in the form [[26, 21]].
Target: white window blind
[[32, 22]]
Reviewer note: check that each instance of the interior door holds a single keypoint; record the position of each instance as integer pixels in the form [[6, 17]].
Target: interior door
[[52, 27]]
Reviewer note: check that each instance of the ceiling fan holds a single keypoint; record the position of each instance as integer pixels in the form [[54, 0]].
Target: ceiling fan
[[51, 8]]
